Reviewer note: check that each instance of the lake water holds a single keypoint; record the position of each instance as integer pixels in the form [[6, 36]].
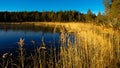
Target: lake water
[[10, 37]]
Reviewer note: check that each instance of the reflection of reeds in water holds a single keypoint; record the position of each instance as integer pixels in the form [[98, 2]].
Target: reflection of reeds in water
[[92, 47]]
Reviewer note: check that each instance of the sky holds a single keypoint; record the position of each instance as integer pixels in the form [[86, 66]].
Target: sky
[[52, 5]]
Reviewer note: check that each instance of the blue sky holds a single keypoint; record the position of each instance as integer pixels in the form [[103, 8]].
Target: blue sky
[[52, 5]]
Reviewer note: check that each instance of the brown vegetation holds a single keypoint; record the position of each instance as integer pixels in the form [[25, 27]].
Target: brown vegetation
[[93, 47]]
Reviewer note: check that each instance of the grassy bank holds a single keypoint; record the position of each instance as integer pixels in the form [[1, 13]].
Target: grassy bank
[[58, 24], [92, 47]]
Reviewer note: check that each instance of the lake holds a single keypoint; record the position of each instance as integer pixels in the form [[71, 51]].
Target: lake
[[10, 35], [9, 38]]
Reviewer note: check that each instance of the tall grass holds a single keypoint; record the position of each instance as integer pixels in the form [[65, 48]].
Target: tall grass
[[91, 46]]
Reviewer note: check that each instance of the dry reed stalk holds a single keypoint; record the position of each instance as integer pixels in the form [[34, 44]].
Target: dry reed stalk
[[21, 43]]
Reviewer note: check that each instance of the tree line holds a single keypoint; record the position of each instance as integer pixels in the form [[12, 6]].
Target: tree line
[[110, 16], [61, 16]]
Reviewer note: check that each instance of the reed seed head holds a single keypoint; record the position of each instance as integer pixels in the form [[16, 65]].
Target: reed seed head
[[4, 55], [21, 42]]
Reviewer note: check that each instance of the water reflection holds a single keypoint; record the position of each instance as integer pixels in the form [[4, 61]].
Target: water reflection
[[9, 38], [10, 35], [26, 27]]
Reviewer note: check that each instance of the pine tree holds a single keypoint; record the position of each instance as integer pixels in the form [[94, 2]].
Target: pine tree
[[90, 16], [100, 18], [115, 9]]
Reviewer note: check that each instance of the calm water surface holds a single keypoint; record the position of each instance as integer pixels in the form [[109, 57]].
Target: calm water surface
[[9, 38]]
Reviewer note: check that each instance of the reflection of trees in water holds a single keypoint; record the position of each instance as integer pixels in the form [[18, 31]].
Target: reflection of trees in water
[[26, 27]]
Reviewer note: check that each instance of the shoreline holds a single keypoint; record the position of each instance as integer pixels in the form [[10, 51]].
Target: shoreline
[[71, 26]]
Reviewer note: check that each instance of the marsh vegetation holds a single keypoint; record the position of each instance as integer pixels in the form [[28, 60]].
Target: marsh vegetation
[[91, 46]]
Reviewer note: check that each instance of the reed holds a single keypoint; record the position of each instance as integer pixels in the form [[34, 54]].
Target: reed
[[21, 43], [81, 46]]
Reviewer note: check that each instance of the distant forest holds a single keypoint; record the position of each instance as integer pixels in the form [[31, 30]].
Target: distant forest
[[61, 16], [111, 16]]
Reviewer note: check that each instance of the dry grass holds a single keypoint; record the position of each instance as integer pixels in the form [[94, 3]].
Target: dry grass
[[93, 47]]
